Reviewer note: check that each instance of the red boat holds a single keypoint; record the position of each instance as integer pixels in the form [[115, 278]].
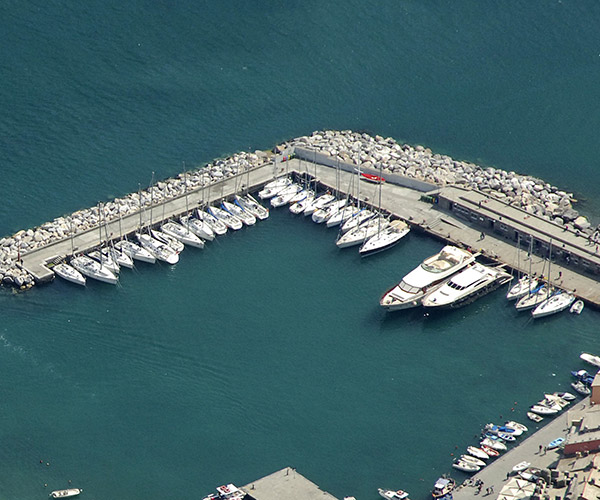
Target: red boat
[[375, 179]]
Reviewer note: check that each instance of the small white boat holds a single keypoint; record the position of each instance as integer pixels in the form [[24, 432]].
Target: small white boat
[[157, 248], [123, 259], [359, 234], [71, 492], [249, 204], [285, 195], [135, 251], [473, 460], [521, 466], [69, 273], [300, 206], [357, 219], [231, 221], [182, 233], [466, 286], [318, 203], [385, 238], [217, 226], [494, 444], [555, 304], [516, 425], [198, 227], [563, 403], [581, 388], [577, 307], [246, 217], [466, 466], [273, 188], [591, 359], [536, 297], [427, 277], [324, 214], [392, 495], [92, 269], [477, 452], [341, 216], [523, 287], [168, 240], [300, 195], [442, 487], [105, 260], [535, 417], [567, 396], [543, 410]]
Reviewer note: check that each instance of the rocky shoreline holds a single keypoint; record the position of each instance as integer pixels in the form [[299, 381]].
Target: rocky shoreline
[[529, 193]]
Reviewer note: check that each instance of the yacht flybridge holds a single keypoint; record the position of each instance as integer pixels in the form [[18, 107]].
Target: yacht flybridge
[[426, 278], [467, 286]]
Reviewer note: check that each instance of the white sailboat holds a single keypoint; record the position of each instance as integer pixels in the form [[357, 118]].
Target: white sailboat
[[182, 233], [246, 217], [198, 227], [217, 226], [536, 297], [341, 216], [285, 195], [300, 205], [230, 220], [359, 234], [69, 273], [168, 240], [427, 277], [555, 304], [356, 220], [135, 251], [385, 238], [319, 202], [93, 269], [324, 214], [249, 204], [105, 259], [158, 249], [273, 188]]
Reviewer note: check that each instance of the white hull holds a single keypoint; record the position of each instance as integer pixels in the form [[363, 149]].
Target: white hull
[[273, 188], [537, 297], [135, 251], [324, 214], [386, 238], [105, 260], [249, 204], [198, 227], [285, 195], [359, 234], [160, 250], [231, 221], [523, 287], [168, 240], [555, 304], [92, 269], [182, 234], [342, 216], [217, 226], [591, 359], [357, 220], [318, 203], [237, 211], [69, 273], [300, 206]]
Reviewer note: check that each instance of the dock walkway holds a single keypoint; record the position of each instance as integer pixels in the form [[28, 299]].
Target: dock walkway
[[445, 225], [286, 484]]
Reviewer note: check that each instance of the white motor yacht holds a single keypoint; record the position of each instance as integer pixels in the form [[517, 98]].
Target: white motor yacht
[[69, 273], [324, 214], [591, 359], [217, 226], [182, 233], [135, 251], [356, 220], [466, 286], [273, 188], [231, 221], [198, 227], [246, 217], [159, 249], [426, 278], [385, 238], [319, 202], [359, 234], [300, 205], [168, 240], [285, 195], [249, 204], [555, 304], [93, 269], [523, 287]]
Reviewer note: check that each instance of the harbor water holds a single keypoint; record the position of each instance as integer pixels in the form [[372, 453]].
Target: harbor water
[[268, 348]]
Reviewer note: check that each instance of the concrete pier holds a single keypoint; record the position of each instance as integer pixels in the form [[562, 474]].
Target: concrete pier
[[286, 484], [498, 222]]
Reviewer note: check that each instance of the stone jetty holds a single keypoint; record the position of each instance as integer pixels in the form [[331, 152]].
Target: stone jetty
[[370, 153]]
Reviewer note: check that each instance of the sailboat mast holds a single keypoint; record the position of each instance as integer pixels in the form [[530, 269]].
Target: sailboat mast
[[151, 202], [140, 198]]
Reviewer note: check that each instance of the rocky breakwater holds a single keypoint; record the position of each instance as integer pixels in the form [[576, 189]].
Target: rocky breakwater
[[529, 193], [13, 248]]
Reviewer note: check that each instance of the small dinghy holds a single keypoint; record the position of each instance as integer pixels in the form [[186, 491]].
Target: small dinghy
[[466, 466], [577, 307], [555, 443], [506, 436], [496, 429], [521, 466], [567, 396], [591, 359], [511, 424], [392, 495], [534, 416], [473, 460], [71, 492], [495, 444], [581, 388], [490, 451], [477, 452]]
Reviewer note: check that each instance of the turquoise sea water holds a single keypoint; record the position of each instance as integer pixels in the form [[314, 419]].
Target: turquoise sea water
[[268, 348]]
